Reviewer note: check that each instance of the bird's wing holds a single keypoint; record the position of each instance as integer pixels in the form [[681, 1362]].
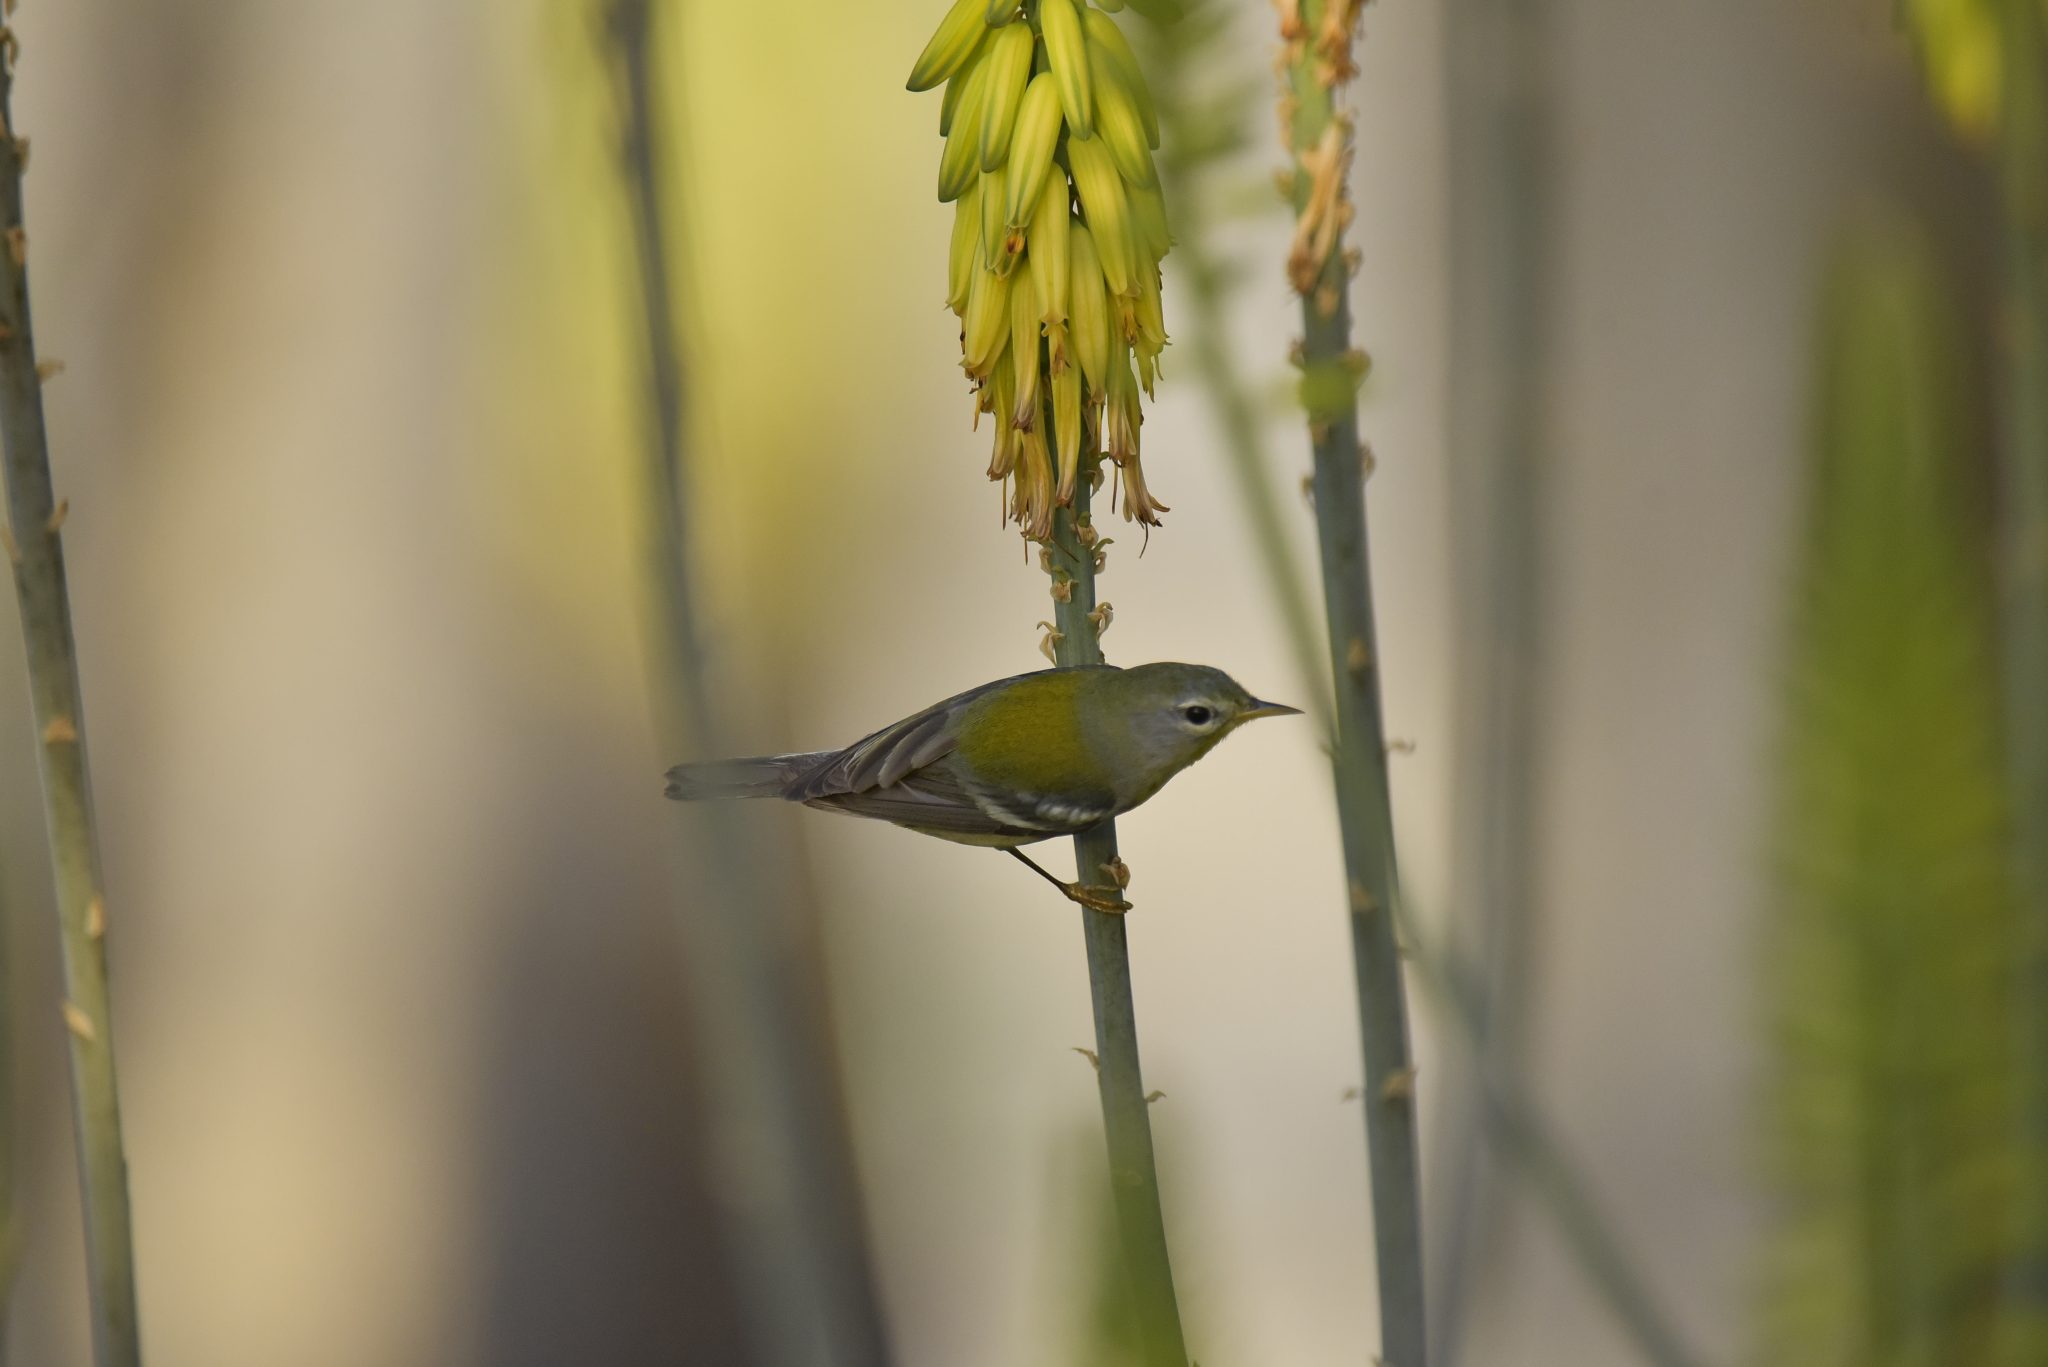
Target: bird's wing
[[937, 800], [884, 759]]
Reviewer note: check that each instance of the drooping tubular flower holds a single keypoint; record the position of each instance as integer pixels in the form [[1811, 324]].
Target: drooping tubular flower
[[1058, 231]]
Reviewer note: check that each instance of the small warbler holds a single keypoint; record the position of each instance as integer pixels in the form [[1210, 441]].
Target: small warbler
[[1015, 761]]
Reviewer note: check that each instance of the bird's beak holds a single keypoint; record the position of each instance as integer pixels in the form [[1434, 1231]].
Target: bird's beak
[[1270, 709]]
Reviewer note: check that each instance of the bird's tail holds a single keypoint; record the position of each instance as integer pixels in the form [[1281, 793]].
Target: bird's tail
[[762, 776]]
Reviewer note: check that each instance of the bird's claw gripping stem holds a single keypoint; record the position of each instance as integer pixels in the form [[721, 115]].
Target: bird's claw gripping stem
[[1108, 901]]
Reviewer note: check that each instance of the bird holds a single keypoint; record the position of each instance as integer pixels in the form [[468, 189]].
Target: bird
[[1023, 759]]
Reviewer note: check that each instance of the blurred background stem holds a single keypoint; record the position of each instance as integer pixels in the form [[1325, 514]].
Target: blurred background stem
[[1318, 57], [1210, 122], [2023, 462], [1889, 962], [1512, 1124], [35, 545], [783, 1176], [1126, 1117], [1497, 93], [10, 1220]]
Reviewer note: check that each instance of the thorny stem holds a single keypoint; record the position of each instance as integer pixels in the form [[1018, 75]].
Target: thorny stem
[[35, 546], [1318, 35], [2023, 157], [785, 1183], [1133, 1173], [36, 519]]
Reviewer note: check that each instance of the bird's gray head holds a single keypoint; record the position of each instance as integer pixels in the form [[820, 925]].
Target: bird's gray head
[[1175, 714]]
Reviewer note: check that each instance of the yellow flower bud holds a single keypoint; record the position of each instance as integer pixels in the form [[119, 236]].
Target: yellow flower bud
[[1024, 357]]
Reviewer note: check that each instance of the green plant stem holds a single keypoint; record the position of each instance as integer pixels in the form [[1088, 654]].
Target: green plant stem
[[36, 546], [782, 1171], [1126, 1118], [2023, 157], [1364, 808]]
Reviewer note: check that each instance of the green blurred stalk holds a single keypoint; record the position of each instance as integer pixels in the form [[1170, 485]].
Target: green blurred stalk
[[1532, 1150], [1204, 279], [1126, 1118], [1204, 293], [1498, 105], [36, 548], [1207, 122], [782, 1173], [10, 1226], [1888, 966], [2023, 165], [1319, 140]]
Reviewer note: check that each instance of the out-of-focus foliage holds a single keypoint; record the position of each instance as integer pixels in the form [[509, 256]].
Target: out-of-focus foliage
[[1958, 42], [1889, 955]]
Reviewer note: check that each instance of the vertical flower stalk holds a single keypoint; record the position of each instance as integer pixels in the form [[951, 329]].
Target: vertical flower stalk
[[1059, 227], [1317, 36], [34, 545], [1074, 557]]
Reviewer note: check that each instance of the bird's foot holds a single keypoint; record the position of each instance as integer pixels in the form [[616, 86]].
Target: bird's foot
[[1108, 901]]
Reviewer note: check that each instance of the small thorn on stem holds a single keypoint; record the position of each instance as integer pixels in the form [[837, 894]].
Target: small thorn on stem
[[1357, 658], [1362, 900], [57, 516], [47, 371], [96, 917], [60, 731], [1153, 1096], [1400, 1085], [78, 1023], [1089, 1054]]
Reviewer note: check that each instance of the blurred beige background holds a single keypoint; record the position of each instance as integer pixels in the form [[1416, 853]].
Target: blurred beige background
[[342, 293]]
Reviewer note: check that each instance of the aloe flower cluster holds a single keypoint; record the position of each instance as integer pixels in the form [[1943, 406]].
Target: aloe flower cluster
[[1058, 231]]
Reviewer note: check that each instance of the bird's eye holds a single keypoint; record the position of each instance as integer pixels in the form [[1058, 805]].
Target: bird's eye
[[1197, 714]]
